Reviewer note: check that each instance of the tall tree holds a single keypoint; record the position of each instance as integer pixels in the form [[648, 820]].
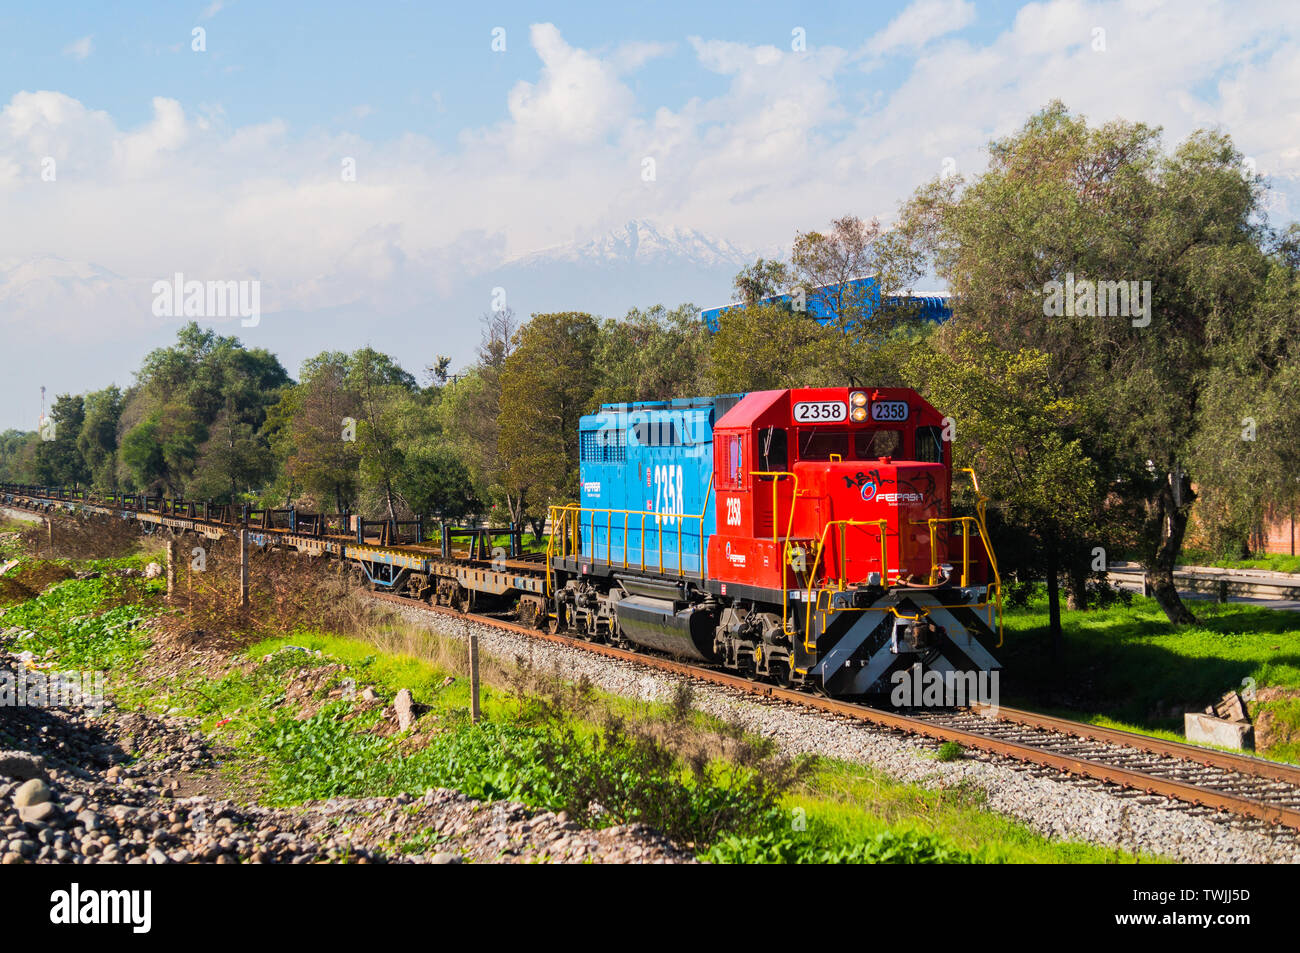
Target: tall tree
[[470, 411], [97, 441], [656, 354], [1011, 424], [382, 389], [315, 433], [1124, 264], [181, 390], [548, 383], [58, 461]]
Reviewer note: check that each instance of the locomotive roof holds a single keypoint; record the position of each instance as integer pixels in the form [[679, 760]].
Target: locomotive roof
[[680, 403]]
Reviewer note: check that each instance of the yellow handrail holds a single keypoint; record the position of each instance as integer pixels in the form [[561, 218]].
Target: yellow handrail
[[776, 475], [882, 527], [980, 500], [572, 513]]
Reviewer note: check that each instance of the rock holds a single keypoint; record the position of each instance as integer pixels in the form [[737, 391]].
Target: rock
[[20, 764], [404, 706], [152, 571], [88, 819], [446, 857], [369, 694], [1204, 729], [31, 793], [37, 812]]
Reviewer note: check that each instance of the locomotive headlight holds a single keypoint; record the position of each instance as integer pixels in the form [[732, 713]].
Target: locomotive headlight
[[859, 414], [858, 399]]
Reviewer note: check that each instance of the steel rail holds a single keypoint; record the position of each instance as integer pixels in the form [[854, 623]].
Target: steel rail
[[1209, 757]]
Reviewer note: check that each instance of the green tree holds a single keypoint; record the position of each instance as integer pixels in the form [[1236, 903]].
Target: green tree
[[1011, 424], [234, 460], [656, 354], [17, 455], [97, 441], [470, 413], [383, 393], [58, 461], [1065, 208], [765, 278], [313, 429], [548, 383], [181, 390]]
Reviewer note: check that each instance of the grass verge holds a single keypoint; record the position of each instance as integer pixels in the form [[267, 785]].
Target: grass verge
[[1127, 666]]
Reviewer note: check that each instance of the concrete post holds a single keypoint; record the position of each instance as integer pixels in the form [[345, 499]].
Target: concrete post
[[243, 568], [473, 679]]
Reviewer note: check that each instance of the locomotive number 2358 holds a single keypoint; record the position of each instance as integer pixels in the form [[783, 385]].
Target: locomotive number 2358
[[819, 411]]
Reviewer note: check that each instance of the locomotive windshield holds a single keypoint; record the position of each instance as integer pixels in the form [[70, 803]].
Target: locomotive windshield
[[820, 444]]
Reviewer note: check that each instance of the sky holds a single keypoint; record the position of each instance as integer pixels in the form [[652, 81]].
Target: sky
[[376, 167]]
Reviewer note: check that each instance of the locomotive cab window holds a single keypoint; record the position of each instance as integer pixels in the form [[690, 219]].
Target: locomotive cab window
[[873, 444], [773, 452], [929, 444], [820, 444], [730, 457]]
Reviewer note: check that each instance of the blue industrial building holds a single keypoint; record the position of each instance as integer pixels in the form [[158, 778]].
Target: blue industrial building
[[935, 308]]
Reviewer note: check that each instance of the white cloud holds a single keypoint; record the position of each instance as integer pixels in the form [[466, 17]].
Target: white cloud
[[80, 49], [789, 141], [629, 57], [920, 23], [576, 101], [212, 9]]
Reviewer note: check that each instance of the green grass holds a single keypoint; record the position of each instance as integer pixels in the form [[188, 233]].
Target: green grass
[[85, 623], [1129, 667], [1270, 562], [853, 814], [849, 813]]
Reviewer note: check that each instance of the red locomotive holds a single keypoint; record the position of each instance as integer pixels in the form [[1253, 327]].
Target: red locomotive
[[823, 516]]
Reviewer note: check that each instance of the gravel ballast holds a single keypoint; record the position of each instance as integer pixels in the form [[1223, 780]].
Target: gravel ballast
[[86, 786], [1055, 805]]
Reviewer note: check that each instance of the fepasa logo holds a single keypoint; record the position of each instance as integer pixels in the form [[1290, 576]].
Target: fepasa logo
[[736, 559]]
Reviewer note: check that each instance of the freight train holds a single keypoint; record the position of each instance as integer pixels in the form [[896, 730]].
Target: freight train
[[802, 536]]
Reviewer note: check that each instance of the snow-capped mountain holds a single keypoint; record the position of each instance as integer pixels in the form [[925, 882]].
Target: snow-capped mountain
[[644, 242], [639, 264]]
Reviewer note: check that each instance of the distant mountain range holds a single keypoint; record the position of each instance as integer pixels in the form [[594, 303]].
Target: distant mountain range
[[643, 242], [95, 325], [636, 265]]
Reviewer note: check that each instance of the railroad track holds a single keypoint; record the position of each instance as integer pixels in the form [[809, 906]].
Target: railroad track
[[1238, 784]]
